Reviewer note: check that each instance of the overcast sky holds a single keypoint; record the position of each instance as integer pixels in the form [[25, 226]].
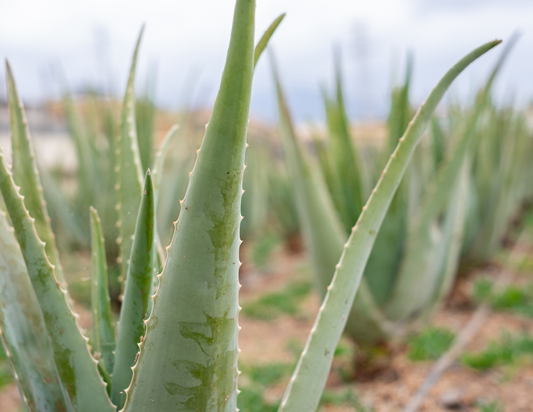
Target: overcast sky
[[186, 41]]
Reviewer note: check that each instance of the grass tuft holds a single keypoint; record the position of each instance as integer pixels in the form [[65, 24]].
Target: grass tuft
[[515, 299], [490, 407], [508, 351], [429, 344]]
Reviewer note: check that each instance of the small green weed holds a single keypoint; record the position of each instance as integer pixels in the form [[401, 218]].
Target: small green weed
[[275, 304], [515, 299], [506, 352], [490, 407], [430, 344]]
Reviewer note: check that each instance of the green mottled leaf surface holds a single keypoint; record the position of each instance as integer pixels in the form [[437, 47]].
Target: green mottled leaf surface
[[188, 358]]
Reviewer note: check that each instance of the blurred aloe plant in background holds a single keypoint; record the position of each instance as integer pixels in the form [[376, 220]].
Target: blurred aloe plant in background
[[417, 249]]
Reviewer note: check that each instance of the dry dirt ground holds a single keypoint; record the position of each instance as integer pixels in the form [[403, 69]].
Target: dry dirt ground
[[277, 341]]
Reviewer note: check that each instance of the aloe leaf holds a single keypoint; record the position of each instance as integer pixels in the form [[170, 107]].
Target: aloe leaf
[[315, 208], [128, 169], [478, 248], [451, 250], [309, 378], [145, 110], [348, 159], [86, 168], [421, 267], [26, 174], [263, 42], [23, 332], [75, 364], [103, 328], [400, 113], [420, 273], [322, 228], [188, 357], [437, 141], [157, 177], [159, 161], [62, 212], [136, 296]]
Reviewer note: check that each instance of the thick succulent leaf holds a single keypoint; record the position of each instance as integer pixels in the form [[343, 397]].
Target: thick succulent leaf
[[128, 169], [382, 267], [400, 112], [347, 157], [188, 357], [157, 177], [159, 161], [23, 332], [145, 110], [75, 364], [62, 212], [308, 381], [103, 328], [323, 232], [26, 174], [315, 208], [263, 42], [437, 141], [136, 295], [421, 266], [346, 182], [86, 167], [451, 249]]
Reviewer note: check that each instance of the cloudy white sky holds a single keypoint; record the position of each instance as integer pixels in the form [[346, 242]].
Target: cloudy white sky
[[185, 44]]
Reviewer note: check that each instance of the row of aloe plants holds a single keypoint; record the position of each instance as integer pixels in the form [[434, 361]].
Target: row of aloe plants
[[464, 185], [175, 345]]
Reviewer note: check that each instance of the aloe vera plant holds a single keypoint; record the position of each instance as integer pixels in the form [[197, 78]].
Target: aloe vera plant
[[184, 321], [416, 249]]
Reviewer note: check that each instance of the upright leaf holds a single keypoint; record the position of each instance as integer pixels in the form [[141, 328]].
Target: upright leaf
[[103, 328], [26, 174], [188, 358], [136, 296], [128, 169]]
